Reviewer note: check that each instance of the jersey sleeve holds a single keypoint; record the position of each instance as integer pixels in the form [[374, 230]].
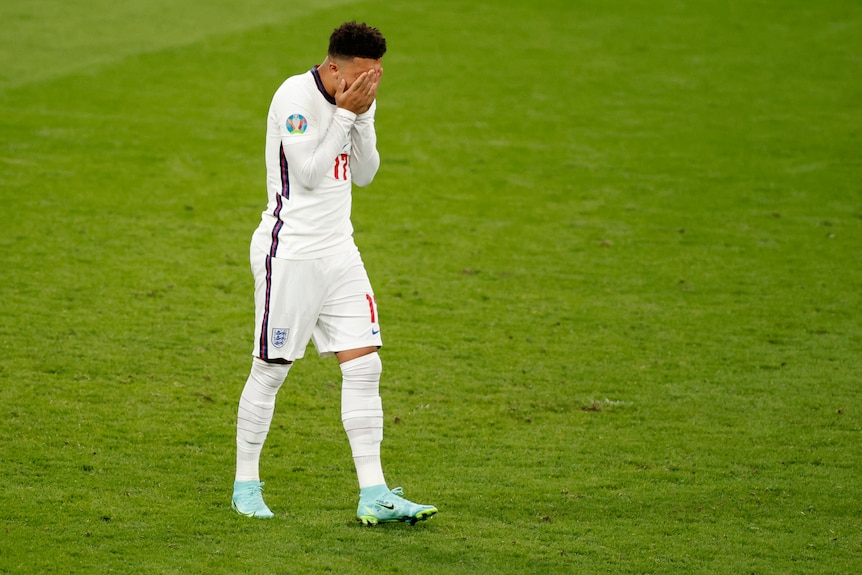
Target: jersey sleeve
[[308, 151], [364, 157]]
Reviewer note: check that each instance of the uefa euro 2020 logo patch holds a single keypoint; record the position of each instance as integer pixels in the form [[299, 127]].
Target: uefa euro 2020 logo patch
[[296, 124]]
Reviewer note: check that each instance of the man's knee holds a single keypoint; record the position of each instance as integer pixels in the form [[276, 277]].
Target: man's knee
[[351, 354]]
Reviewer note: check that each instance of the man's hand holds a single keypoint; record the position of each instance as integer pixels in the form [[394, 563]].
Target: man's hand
[[361, 94]]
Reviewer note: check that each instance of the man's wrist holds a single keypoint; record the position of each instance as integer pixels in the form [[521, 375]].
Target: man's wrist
[[347, 114]]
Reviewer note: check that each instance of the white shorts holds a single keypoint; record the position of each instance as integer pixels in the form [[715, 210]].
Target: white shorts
[[327, 300]]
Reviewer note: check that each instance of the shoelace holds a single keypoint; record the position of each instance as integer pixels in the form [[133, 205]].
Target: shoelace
[[248, 495]]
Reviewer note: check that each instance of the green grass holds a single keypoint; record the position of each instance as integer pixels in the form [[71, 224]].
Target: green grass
[[617, 249]]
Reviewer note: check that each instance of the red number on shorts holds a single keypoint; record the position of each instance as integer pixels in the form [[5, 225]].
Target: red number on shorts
[[370, 299]]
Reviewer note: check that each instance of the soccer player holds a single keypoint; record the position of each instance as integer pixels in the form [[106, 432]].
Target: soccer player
[[310, 281]]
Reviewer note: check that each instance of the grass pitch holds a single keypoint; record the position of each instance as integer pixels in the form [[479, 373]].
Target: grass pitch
[[617, 250]]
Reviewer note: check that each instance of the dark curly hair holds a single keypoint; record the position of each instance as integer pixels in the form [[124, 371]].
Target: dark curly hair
[[352, 40]]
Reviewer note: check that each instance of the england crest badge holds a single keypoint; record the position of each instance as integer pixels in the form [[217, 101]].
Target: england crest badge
[[279, 336]]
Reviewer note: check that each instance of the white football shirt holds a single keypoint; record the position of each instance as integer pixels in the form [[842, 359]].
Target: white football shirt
[[314, 152]]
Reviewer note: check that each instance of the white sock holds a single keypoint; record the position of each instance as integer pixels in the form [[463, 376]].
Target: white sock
[[256, 406], [362, 415]]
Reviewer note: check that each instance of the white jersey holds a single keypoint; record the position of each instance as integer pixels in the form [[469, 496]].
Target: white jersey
[[314, 152]]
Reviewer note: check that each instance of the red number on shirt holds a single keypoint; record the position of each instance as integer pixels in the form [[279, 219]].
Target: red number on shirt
[[340, 172]]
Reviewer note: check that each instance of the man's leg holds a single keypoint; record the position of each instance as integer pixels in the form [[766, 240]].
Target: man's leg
[[362, 412], [362, 415], [256, 407]]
